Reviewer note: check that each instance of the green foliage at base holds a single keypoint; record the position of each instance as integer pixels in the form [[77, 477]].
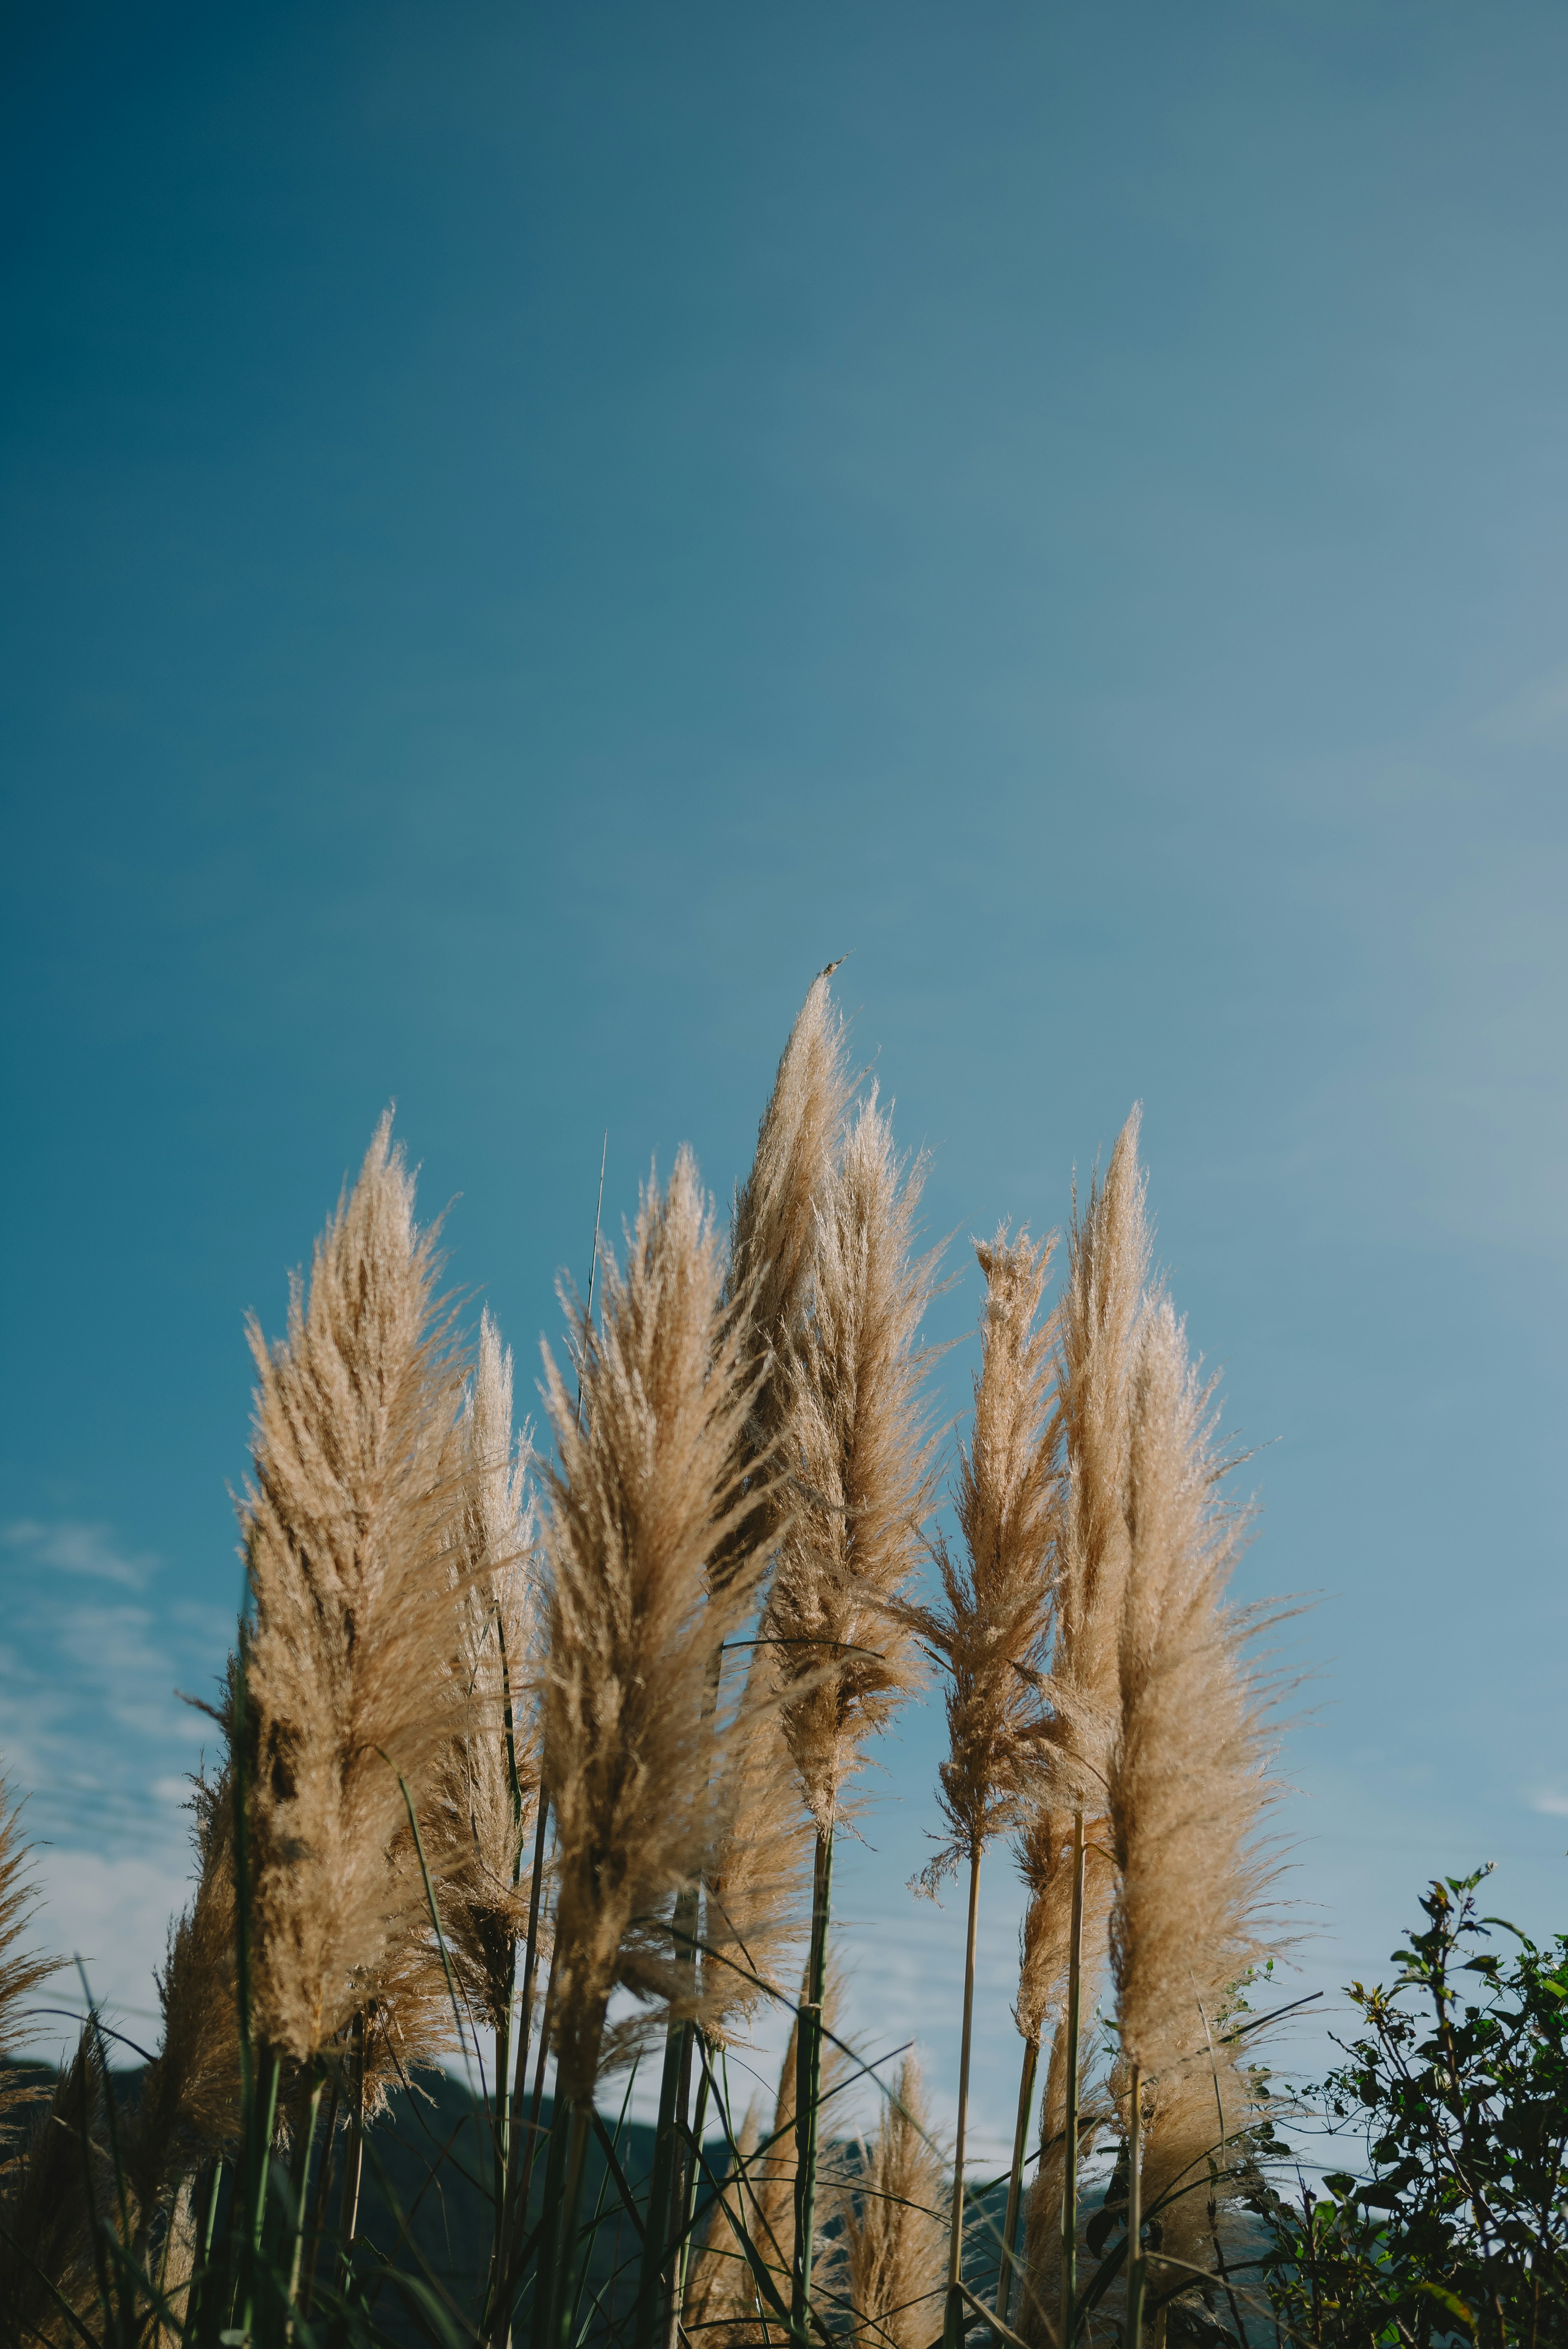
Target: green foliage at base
[[1460, 2083]]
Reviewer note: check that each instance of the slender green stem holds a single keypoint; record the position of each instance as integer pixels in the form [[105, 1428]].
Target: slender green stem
[[809, 2091], [679, 2182], [952, 2319], [553, 2240], [1015, 2176], [204, 2206], [299, 2174], [316, 2220], [566, 2258], [1135, 2210], [353, 2152], [1071, 2097], [656, 2223], [688, 2198], [264, 2119]]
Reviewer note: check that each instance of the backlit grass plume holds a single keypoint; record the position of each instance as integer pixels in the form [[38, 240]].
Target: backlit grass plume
[[773, 1228], [862, 1464], [892, 2259], [349, 1520], [754, 1915], [722, 2303], [1064, 1845], [641, 1496], [21, 1970], [190, 2092], [989, 1634], [487, 1785], [1188, 1786], [997, 1593], [53, 2194]]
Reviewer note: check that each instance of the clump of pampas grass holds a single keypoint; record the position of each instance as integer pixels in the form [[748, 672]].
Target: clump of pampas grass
[[21, 1970], [774, 1223], [54, 2194], [990, 1633], [722, 2299], [349, 1521], [1064, 1845], [892, 2254], [640, 1498], [862, 1466], [188, 2108], [486, 1790], [1188, 1786]]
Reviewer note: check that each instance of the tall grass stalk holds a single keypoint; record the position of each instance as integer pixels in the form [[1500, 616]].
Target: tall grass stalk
[[1135, 2266], [809, 2090], [1071, 2098], [952, 2319], [1027, 2071]]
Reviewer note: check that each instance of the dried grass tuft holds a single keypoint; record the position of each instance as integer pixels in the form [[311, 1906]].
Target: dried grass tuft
[[643, 1496], [1189, 1785], [348, 1523], [894, 2216], [53, 2195], [991, 1630], [190, 2102], [776, 1208], [486, 1796], [20, 1971], [1108, 1267], [862, 1464], [722, 2302]]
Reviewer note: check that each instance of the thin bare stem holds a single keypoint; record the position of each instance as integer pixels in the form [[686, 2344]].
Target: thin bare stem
[[953, 2321], [1070, 2122]]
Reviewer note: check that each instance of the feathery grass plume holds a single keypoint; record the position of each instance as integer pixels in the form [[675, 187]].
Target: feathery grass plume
[[348, 1523], [188, 2107], [488, 1783], [20, 1973], [999, 1596], [863, 1465], [642, 1496], [1097, 1319], [892, 2244], [774, 1220], [52, 2194], [1040, 2298], [1107, 1268], [991, 1631], [758, 1873], [1188, 1789], [720, 2293]]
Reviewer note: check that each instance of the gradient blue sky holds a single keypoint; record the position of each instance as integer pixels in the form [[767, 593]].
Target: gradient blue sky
[[529, 529]]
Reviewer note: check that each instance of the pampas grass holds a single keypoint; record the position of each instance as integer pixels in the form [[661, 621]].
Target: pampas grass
[[486, 1789], [643, 1495], [1187, 1788], [21, 1970], [688, 1658], [990, 1633], [349, 1518], [862, 1467], [1062, 1953], [893, 2249]]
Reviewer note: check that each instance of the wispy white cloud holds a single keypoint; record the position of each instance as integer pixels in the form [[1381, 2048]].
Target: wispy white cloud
[[71, 1546], [1551, 1804], [92, 1724]]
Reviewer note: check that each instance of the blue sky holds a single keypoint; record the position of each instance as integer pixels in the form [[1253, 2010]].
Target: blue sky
[[527, 531]]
